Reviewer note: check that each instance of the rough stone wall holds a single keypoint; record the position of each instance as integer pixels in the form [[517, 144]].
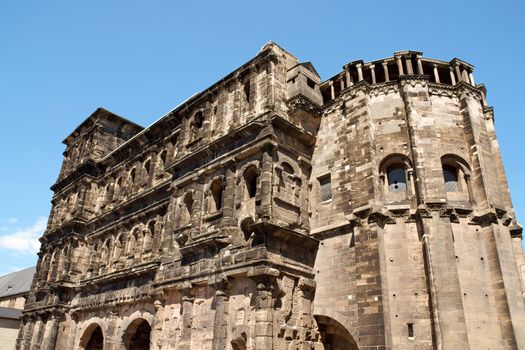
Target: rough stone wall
[[276, 211]]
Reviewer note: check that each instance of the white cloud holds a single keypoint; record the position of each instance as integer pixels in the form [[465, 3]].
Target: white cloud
[[25, 240], [12, 220]]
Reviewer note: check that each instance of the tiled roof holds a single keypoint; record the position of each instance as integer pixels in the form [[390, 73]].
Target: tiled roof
[[17, 282]]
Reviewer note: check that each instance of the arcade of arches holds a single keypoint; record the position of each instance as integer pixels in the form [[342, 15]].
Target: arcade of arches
[[334, 336], [136, 337]]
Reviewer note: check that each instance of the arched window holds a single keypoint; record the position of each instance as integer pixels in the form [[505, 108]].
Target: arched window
[[456, 178], [250, 180], [162, 157], [287, 168], [198, 119], [137, 335], [216, 195], [187, 209], [450, 175], [246, 90], [397, 180], [132, 175], [147, 166]]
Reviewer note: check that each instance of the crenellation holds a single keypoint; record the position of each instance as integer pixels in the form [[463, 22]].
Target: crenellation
[[274, 210]]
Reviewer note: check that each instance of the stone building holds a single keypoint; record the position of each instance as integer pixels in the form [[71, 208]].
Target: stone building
[[14, 288], [274, 210]]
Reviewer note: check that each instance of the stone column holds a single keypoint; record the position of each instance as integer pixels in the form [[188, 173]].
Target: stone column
[[197, 204], [37, 333], [342, 84], [419, 65], [452, 77], [157, 340], [408, 64], [446, 297], [111, 342], [264, 313], [436, 73], [373, 71], [25, 334], [458, 72], [471, 76], [348, 77], [270, 98], [220, 322], [228, 196], [253, 89], [359, 67], [50, 337], [187, 319], [206, 125], [265, 210], [385, 68], [399, 65], [237, 103], [332, 91]]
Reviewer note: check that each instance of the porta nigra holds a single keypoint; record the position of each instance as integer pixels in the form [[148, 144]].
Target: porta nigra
[[274, 211]]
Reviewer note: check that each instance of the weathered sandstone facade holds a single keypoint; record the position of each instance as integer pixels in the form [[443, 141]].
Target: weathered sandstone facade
[[276, 211]]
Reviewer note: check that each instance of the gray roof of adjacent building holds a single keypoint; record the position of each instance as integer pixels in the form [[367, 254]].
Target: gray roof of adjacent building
[[17, 282], [10, 313]]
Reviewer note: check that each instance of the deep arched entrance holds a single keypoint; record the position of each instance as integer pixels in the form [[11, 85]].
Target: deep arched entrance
[[137, 336], [93, 339], [334, 335]]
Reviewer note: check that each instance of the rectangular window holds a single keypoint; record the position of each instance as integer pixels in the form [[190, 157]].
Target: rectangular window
[[410, 327], [310, 83], [325, 188]]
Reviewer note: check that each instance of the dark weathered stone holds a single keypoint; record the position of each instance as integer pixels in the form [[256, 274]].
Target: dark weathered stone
[[276, 211]]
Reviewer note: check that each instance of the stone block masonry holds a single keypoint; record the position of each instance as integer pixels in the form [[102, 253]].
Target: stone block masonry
[[277, 211]]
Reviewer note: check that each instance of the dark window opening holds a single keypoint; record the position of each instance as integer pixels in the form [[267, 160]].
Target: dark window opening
[[198, 119], [247, 87], [287, 168], [325, 188], [310, 83], [250, 178], [132, 174], [450, 175], [216, 191], [188, 202], [147, 166], [397, 181], [444, 75], [163, 156], [410, 328], [380, 73]]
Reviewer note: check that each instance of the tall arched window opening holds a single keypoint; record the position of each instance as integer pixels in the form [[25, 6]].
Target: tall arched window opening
[[250, 180]]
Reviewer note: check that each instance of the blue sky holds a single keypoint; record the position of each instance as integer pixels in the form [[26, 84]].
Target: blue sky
[[60, 60]]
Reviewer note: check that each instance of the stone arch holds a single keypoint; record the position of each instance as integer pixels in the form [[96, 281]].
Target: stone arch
[[216, 192], [456, 161], [333, 332], [139, 321], [395, 174], [251, 181], [92, 338], [456, 177]]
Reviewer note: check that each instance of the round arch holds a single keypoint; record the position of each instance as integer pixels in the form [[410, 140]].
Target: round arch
[[137, 335], [334, 334], [92, 338]]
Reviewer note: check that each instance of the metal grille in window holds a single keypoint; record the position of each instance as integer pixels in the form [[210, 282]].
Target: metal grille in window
[[325, 185], [450, 174], [397, 180]]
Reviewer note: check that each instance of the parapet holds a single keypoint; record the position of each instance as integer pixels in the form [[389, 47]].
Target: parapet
[[401, 64]]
